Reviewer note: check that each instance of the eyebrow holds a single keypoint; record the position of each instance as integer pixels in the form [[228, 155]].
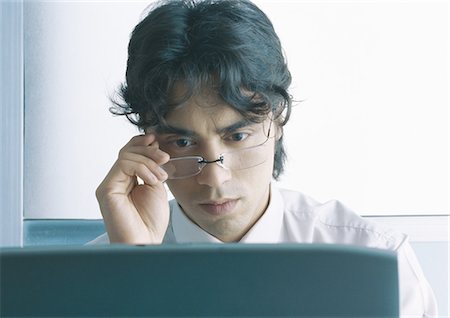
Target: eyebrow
[[169, 129]]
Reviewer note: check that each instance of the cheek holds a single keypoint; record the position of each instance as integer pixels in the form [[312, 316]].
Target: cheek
[[264, 173], [256, 177], [266, 168], [181, 189]]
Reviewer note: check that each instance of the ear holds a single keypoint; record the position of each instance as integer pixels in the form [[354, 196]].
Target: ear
[[278, 132]]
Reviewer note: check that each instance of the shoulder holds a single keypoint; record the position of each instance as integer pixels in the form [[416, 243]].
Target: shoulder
[[333, 222]]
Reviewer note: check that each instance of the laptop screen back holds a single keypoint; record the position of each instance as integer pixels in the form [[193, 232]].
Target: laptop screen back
[[295, 280]]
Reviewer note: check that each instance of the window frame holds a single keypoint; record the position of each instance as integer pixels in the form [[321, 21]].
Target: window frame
[[12, 100]]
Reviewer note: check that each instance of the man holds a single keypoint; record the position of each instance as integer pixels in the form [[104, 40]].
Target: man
[[208, 84]]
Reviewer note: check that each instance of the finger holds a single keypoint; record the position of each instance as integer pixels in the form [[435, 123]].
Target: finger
[[136, 170], [141, 171], [153, 152], [150, 164], [141, 140]]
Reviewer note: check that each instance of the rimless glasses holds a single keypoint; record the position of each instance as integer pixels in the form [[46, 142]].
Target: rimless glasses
[[245, 158]]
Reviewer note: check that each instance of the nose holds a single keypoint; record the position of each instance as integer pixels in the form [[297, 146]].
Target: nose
[[213, 175]]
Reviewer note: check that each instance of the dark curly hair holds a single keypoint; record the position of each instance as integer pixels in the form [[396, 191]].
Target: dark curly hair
[[226, 45]]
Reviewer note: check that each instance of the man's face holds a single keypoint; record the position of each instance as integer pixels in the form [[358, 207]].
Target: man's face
[[224, 202]]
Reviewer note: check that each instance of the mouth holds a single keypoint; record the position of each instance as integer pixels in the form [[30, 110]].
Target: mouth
[[220, 207]]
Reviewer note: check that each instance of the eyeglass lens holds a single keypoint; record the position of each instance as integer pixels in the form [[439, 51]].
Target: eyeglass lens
[[185, 167]]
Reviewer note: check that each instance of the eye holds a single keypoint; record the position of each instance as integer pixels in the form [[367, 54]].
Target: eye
[[239, 136], [183, 143]]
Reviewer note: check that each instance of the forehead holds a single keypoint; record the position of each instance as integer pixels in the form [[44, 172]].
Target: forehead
[[202, 111]]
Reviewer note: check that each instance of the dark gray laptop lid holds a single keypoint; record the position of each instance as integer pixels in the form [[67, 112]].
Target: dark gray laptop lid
[[213, 280]]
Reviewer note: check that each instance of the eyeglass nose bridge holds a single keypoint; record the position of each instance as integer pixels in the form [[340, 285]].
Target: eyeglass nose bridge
[[204, 162]]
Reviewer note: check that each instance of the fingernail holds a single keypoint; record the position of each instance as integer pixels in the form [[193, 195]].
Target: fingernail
[[162, 173]]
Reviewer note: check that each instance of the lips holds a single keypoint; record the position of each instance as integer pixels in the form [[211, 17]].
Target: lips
[[221, 207]]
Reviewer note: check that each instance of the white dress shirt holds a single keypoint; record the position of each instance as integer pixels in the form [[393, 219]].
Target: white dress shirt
[[292, 217]]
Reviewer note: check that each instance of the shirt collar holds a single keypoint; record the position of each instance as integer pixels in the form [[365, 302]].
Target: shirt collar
[[266, 230]]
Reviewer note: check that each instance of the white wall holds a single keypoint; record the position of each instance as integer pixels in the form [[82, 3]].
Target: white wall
[[372, 130], [75, 57]]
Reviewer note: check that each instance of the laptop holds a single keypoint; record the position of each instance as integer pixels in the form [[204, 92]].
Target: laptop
[[192, 280]]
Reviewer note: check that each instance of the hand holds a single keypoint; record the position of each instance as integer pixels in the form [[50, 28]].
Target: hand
[[136, 213]]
